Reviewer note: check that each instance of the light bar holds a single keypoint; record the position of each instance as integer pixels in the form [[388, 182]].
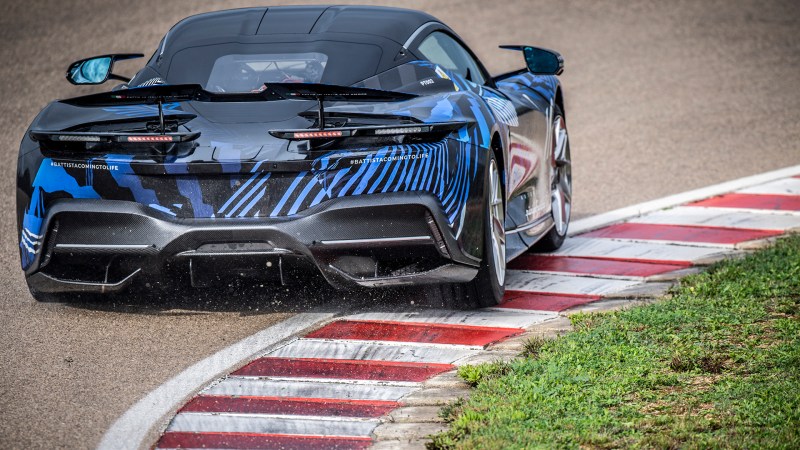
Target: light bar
[[317, 134], [368, 130], [78, 138], [400, 130], [111, 137], [156, 138]]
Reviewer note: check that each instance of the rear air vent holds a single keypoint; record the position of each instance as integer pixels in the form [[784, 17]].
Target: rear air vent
[[437, 235]]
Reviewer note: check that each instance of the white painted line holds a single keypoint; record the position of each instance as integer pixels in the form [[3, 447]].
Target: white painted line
[[480, 318], [770, 212], [333, 380], [254, 423], [133, 427], [366, 350], [721, 217], [622, 214], [787, 186], [638, 279], [607, 248], [353, 390], [522, 280], [388, 343], [517, 310], [664, 241]]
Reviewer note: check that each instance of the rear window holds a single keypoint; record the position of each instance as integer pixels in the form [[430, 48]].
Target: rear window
[[246, 73], [237, 67]]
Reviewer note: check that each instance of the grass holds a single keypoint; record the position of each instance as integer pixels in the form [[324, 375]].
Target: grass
[[715, 365]]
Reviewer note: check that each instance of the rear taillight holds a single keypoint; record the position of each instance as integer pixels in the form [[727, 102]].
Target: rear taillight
[[318, 134], [112, 137], [162, 138]]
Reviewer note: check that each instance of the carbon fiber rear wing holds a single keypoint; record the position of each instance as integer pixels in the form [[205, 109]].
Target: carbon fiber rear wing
[[153, 95], [158, 95]]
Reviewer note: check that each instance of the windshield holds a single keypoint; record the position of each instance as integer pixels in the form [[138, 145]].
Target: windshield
[[235, 67]]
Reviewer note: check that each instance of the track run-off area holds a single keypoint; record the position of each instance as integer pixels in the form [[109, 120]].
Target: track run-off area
[[339, 379]]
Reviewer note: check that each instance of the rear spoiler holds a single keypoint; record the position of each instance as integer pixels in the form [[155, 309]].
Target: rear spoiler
[[160, 94], [153, 95]]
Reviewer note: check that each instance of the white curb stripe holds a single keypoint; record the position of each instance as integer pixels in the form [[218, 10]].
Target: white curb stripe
[[622, 214], [548, 273], [651, 251], [522, 280], [354, 390], [481, 317], [132, 428], [241, 423], [770, 212], [787, 186], [721, 217], [383, 351], [726, 248], [411, 384]]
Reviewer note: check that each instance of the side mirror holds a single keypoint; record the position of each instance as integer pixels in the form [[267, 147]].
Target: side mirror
[[97, 70], [540, 61]]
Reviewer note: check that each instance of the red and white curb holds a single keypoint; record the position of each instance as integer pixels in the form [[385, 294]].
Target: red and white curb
[[332, 386], [335, 383]]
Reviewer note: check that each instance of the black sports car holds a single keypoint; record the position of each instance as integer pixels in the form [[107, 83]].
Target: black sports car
[[368, 144]]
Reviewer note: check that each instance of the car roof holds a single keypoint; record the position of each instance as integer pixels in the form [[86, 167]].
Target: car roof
[[388, 28], [395, 24]]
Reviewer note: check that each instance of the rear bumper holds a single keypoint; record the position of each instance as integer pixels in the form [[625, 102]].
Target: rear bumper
[[104, 246]]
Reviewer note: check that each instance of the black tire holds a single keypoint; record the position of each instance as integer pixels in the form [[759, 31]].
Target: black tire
[[555, 238], [488, 287]]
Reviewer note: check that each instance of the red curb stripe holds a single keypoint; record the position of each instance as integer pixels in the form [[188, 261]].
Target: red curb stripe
[[595, 266], [431, 333], [342, 368], [182, 439], [776, 202], [289, 406], [544, 302], [680, 233]]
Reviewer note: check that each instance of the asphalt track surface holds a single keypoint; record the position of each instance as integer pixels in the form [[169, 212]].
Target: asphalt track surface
[[662, 97]]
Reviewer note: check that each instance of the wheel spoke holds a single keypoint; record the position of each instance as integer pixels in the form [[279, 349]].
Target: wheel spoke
[[556, 200], [560, 138], [497, 224], [562, 186], [565, 188], [561, 145]]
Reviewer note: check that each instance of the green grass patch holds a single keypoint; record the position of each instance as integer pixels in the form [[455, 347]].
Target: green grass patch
[[714, 365]]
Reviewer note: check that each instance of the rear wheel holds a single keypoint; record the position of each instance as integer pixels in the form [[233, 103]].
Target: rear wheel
[[560, 187], [487, 288]]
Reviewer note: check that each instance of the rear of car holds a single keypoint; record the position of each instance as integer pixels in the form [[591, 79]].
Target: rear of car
[[371, 193]]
